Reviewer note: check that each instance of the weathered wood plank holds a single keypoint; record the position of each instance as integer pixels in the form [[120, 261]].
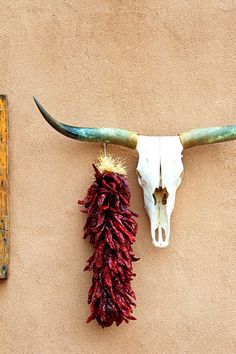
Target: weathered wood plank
[[4, 203]]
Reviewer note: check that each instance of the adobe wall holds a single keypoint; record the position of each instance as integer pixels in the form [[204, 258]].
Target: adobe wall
[[156, 67]]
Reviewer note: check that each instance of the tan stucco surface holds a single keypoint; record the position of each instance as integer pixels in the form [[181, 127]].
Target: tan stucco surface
[[158, 67]]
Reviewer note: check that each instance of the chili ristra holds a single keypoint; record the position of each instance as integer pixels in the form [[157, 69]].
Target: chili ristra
[[111, 228]]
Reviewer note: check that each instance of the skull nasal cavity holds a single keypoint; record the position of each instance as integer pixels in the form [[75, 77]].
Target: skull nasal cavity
[[160, 195]]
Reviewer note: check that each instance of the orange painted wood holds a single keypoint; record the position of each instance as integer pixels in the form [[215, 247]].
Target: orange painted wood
[[4, 190]]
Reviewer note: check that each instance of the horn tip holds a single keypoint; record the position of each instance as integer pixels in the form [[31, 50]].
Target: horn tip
[[36, 101], [40, 108]]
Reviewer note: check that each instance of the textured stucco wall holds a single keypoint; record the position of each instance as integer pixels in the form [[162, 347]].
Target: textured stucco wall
[[158, 67]]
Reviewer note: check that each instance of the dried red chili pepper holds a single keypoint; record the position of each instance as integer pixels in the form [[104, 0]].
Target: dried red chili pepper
[[112, 229]]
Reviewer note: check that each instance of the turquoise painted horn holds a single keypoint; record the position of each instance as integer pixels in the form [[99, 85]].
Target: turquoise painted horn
[[106, 135], [203, 136], [129, 139]]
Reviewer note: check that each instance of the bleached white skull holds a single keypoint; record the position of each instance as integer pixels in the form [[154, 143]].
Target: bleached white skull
[[159, 174]]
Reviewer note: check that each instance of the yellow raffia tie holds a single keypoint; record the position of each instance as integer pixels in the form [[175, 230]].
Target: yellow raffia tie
[[110, 164]]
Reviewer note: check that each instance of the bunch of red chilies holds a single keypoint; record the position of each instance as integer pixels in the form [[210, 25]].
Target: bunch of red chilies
[[112, 229]]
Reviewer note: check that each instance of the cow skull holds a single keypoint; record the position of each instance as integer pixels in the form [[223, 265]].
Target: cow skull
[[159, 167], [159, 174]]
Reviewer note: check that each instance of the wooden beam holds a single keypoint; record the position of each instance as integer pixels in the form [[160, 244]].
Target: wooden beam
[[4, 190]]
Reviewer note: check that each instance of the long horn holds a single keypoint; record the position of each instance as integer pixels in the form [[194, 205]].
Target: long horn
[[107, 135], [207, 136]]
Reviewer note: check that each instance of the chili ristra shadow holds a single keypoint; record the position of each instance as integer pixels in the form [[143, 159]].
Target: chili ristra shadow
[[111, 228]]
